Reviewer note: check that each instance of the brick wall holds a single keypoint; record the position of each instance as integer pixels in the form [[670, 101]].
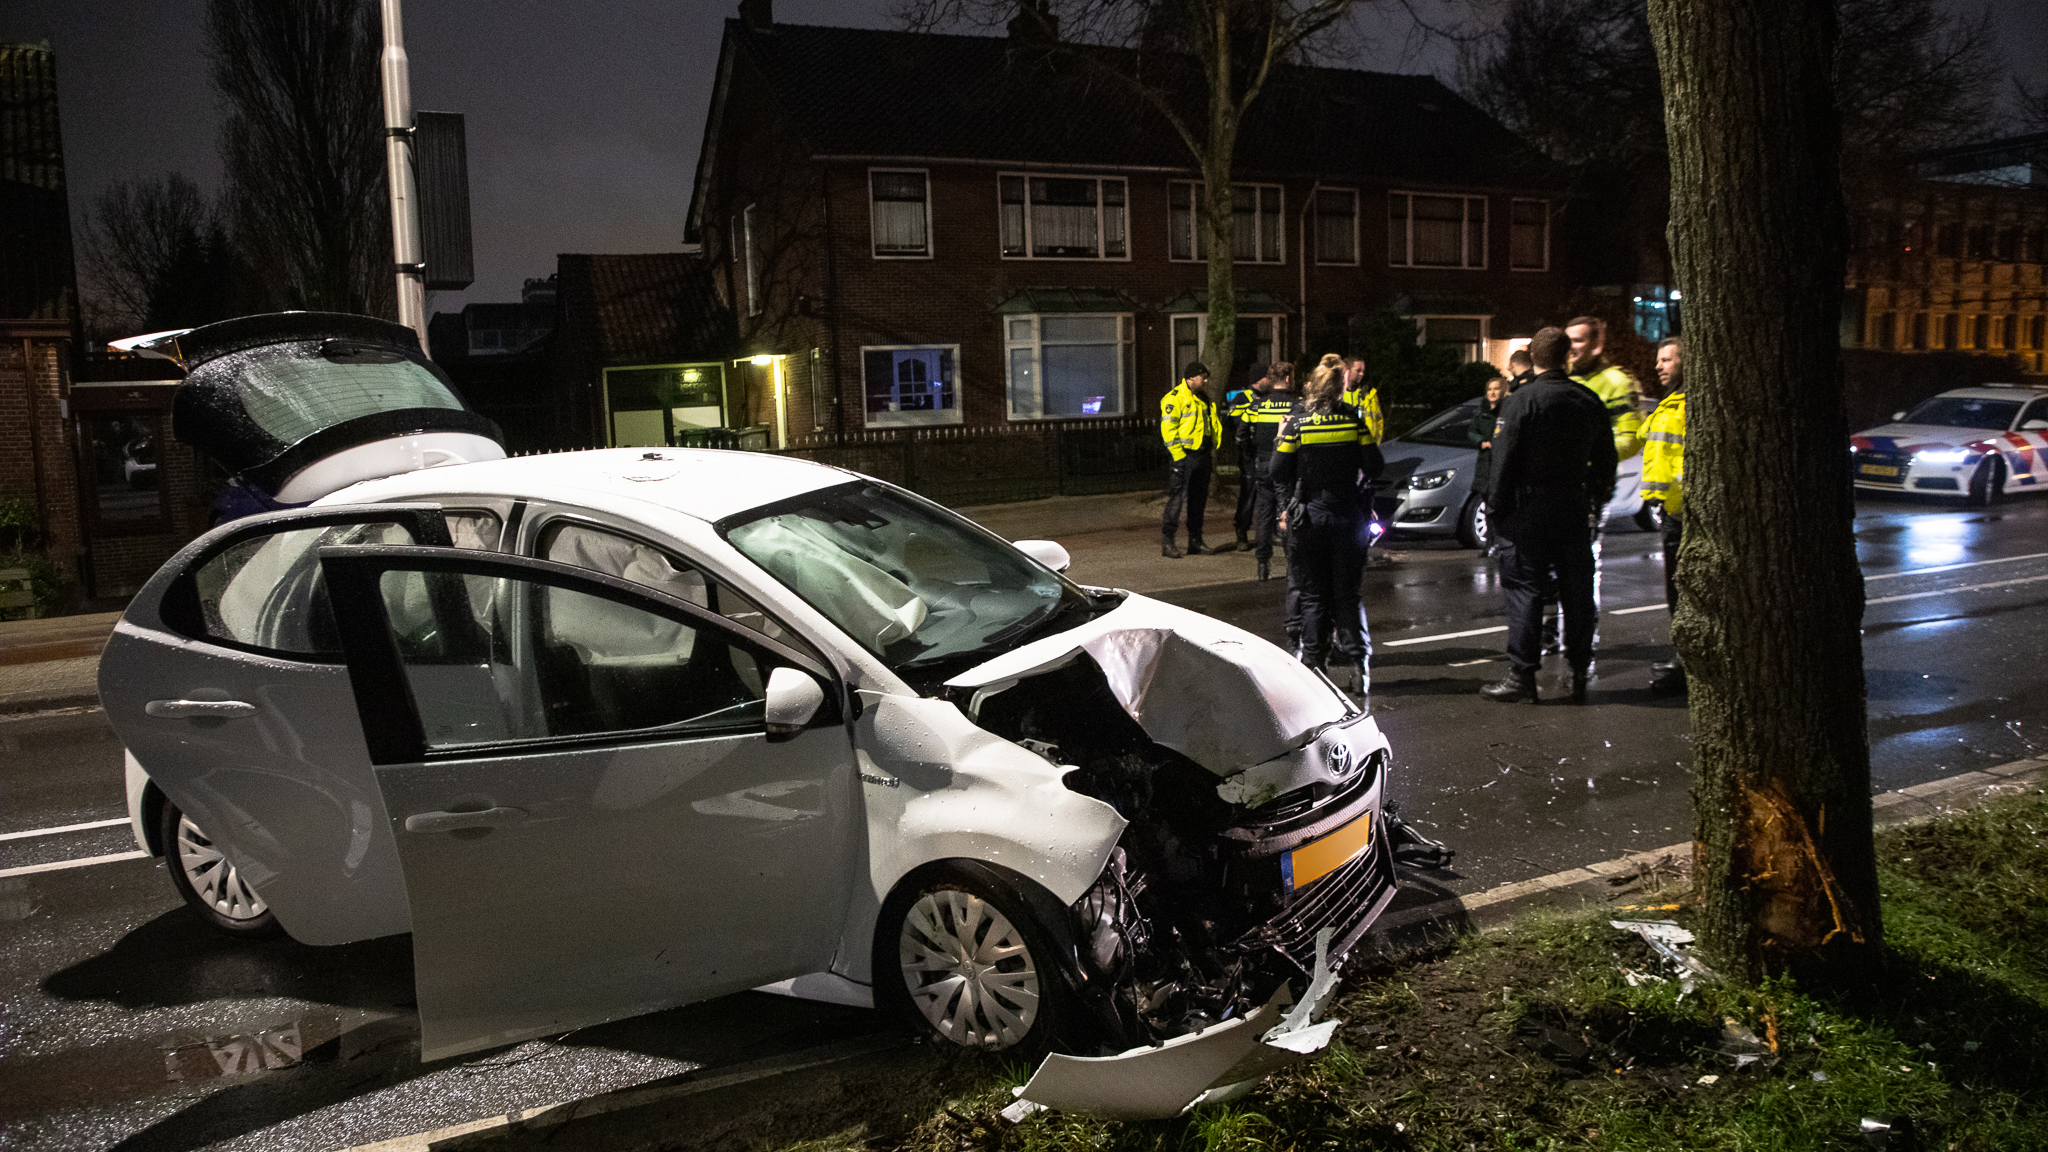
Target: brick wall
[[35, 446]]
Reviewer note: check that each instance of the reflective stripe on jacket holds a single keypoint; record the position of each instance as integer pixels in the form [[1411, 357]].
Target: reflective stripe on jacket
[[1664, 454], [1367, 400], [1188, 422], [1264, 417], [1623, 397]]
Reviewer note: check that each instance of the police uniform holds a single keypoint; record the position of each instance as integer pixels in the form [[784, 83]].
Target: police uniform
[[1236, 406], [1189, 425], [1264, 418], [1366, 398], [1664, 480], [1553, 469], [1623, 397], [1318, 457]]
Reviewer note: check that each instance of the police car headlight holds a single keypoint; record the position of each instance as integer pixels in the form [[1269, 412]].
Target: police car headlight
[[1940, 456], [1429, 480]]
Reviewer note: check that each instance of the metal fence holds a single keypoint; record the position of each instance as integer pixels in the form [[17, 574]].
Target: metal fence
[[994, 464]]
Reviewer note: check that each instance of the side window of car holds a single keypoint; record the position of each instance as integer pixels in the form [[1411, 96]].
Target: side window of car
[[2038, 410], [585, 546], [478, 528], [267, 592], [580, 665]]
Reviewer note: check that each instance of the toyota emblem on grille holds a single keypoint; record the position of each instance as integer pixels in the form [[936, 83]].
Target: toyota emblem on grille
[[1339, 759]]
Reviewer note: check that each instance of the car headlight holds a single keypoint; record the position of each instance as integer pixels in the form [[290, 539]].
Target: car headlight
[[1940, 456], [1429, 480]]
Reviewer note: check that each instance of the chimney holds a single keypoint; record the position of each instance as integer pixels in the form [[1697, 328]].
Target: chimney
[[1034, 23], [758, 15]]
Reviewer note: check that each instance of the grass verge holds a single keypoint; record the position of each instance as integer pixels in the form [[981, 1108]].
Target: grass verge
[[1536, 1038]]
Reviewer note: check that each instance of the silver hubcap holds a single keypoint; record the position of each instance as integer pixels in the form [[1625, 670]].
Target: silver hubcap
[[968, 970], [212, 877]]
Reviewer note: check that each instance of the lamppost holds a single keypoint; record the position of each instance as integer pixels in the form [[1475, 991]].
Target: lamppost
[[405, 212]]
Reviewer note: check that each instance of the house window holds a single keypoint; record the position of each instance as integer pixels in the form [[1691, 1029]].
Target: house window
[[1950, 324], [1062, 218], [1529, 236], [2001, 332], [1888, 331], [911, 384], [1436, 231], [2009, 244], [2039, 338], [655, 406], [2036, 247], [1465, 333], [1257, 343], [1068, 364], [1948, 239], [753, 261], [1256, 232], [1336, 226], [900, 213], [1980, 332], [1919, 331], [1980, 242]]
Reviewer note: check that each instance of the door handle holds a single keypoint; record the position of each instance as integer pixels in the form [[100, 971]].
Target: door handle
[[452, 821], [194, 709]]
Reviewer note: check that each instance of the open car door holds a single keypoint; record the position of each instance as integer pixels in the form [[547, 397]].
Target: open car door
[[606, 800]]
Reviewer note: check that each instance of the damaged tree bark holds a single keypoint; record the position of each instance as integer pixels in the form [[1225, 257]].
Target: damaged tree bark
[[1770, 596]]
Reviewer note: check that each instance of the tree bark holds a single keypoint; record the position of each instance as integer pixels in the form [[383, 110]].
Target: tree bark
[[1219, 344], [1770, 596]]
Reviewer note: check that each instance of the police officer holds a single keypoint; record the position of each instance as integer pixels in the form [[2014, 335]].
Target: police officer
[[1521, 369], [1610, 382], [1189, 425], [1322, 459], [1364, 395], [1553, 470], [1664, 485], [1264, 420], [1236, 406]]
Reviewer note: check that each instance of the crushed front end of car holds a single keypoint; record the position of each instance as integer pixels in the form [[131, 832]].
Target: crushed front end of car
[[1253, 791]]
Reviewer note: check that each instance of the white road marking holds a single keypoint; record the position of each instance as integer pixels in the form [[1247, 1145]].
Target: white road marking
[[1444, 636], [1632, 611], [62, 828], [1951, 591], [1953, 567], [61, 865]]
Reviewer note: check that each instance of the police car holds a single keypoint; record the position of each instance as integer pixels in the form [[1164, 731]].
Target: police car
[[1971, 443]]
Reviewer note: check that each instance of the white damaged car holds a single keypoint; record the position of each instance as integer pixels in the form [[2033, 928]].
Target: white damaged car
[[617, 730]]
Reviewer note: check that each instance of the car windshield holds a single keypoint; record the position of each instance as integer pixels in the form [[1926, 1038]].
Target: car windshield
[[1446, 429], [911, 582], [1965, 412]]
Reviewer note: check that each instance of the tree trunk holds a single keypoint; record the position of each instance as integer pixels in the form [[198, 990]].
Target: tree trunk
[[1771, 598], [1220, 341]]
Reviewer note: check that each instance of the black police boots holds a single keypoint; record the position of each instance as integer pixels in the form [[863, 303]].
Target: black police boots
[[1265, 570], [1512, 687], [1581, 678], [1167, 549]]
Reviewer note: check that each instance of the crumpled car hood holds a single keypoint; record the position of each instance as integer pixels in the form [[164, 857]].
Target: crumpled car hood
[[1215, 693]]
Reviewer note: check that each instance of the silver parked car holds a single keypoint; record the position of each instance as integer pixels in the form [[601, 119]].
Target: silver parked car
[[1427, 485]]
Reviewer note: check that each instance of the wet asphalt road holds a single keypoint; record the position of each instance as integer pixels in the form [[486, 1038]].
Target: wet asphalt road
[[125, 1024]]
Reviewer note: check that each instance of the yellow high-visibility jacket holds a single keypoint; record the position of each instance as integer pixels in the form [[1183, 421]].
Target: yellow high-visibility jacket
[[1366, 399], [1188, 422], [1664, 454], [1623, 396]]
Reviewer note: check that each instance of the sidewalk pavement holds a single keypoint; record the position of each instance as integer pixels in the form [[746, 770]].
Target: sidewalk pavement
[[1114, 540], [52, 663]]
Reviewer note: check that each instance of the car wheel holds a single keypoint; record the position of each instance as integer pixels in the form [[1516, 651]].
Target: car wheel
[[211, 884], [1646, 518], [1473, 529], [1987, 483], [961, 957]]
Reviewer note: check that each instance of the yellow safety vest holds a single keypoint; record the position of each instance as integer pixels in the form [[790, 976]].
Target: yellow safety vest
[[1367, 400], [1664, 454], [1188, 422], [1622, 395]]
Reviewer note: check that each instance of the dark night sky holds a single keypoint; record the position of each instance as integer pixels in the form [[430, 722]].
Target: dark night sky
[[583, 119]]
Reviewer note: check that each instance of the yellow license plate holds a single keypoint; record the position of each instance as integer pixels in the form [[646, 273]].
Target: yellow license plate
[[1879, 470], [1318, 858]]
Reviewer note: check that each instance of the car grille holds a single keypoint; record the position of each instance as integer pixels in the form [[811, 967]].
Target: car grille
[[1346, 901], [1867, 459]]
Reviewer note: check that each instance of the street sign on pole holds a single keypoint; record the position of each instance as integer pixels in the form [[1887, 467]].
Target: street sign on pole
[[441, 158]]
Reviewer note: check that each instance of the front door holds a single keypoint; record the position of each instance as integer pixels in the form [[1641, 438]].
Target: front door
[[592, 817]]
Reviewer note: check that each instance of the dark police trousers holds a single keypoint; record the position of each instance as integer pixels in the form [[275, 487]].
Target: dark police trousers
[[1187, 483], [1326, 547], [1247, 493], [1547, 539], [1266, 509]]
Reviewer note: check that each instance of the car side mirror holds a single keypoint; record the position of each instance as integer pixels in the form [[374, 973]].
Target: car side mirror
[[793, 702], [1898, 416], [2034, 426], [1047, 553]]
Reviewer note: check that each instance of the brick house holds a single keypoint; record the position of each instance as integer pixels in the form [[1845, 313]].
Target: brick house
[[921, 230]]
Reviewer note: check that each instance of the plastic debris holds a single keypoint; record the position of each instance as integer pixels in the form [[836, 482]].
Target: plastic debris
[[1672, 943], [1819, 1077], [1881, 1131], [1021, 1109]]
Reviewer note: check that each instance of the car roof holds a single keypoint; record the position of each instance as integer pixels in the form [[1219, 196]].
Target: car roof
[[708, 484], [1999, 392]]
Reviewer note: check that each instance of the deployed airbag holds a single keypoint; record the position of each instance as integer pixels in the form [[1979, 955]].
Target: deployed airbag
[[1215, 693]]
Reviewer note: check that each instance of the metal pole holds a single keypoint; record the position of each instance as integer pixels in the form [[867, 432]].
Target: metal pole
[[405, 209]]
